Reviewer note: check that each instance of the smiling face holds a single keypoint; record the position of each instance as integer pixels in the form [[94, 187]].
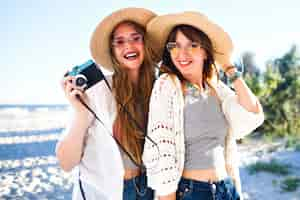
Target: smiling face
[[128, 47], [187, 56]]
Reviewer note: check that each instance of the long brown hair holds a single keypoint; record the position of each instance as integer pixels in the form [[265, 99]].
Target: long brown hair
[[135, 98], [195, 35]]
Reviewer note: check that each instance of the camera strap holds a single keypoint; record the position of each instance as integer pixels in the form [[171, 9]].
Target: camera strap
[[80, 186], [141, 166]]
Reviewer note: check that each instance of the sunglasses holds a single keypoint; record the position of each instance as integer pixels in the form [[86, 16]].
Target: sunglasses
[[174, 48], [120, 42]]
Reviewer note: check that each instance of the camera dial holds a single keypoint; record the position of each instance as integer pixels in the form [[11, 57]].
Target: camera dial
[[80, 81]]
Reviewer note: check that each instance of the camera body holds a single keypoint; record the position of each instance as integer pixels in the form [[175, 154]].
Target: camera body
[[86, 75]]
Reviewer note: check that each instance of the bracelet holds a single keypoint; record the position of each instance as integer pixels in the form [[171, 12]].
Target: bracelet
[[235, 76], [229, 68]]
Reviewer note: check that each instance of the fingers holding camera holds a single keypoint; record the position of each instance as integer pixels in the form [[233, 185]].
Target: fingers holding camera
[[69, 88], [66, 82], [77, 93], [72, 93]]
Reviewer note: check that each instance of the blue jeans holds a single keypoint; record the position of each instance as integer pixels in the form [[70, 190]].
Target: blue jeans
[[136, 189], [197, 190]]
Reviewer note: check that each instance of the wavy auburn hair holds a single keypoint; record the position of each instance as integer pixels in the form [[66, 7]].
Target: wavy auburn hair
[[135, 98]]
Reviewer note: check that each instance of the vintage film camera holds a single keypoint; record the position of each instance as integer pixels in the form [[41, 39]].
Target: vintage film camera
[[86, 75]]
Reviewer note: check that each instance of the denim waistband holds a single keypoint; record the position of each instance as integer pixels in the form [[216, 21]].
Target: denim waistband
[[141, 179], [137, 184], [220, 190], [202, 185]]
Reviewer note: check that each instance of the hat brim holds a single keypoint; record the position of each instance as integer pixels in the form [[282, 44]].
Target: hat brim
[[159, 28], [99, 44]]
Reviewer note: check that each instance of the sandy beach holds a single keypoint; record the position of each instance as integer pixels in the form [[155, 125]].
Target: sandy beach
[[29, 169]]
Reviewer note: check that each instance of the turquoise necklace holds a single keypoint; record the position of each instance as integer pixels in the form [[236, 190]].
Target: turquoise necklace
[[195, 91]]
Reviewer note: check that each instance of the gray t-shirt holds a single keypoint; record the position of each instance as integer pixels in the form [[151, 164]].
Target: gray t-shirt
[[205, 129]]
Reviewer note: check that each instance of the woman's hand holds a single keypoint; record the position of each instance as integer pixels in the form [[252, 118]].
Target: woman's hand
[[72, 94], [69, 150], [229, 69], [245, 96]]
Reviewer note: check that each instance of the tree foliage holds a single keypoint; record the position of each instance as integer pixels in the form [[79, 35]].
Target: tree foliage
[[278, 89]]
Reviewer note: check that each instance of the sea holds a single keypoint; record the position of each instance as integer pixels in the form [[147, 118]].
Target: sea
[[28, 166]]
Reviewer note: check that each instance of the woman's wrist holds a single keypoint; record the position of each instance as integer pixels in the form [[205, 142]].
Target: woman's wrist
[[234, 76], [232, 73]]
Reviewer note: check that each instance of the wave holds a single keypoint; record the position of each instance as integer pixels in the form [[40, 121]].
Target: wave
[[32, 107], [24, 110], [31, 132], [32, 117]]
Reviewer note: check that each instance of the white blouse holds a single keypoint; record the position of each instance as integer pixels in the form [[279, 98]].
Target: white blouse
[[165, 127], [101, 167]]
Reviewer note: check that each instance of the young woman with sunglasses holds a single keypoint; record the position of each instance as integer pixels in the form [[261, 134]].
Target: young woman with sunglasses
[[107, 171], [193, 116]]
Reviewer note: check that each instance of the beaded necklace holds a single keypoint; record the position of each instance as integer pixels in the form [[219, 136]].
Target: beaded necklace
[[195, 91]]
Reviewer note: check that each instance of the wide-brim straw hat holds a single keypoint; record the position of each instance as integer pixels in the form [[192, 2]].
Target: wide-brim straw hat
[[100, 40], [159, 28]]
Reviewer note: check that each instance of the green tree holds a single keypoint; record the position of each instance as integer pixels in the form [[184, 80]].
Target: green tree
[[280, 95], [288, 61]]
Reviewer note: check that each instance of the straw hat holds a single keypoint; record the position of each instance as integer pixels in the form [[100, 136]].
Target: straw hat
[[99, 44], [159, 28]]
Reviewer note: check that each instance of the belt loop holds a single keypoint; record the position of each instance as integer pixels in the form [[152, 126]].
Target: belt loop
[[213, 189], [191, 186], [139, 188]]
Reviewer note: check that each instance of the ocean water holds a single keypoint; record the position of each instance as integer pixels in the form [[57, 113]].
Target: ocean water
[[28, 166]]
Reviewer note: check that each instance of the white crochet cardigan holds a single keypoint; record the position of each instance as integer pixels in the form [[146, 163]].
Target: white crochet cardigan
[[165, 161]]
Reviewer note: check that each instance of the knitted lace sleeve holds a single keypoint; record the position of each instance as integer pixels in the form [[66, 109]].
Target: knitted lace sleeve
[[242, 122], [161, 159]]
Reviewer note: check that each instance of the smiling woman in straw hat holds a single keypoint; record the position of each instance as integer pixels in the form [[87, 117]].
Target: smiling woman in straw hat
[[193, 116], [106, 171]]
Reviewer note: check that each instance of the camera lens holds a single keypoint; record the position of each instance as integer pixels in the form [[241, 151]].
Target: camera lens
[[80, 81]]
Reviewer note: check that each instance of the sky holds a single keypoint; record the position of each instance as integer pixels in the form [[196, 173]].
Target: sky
[[40, 40]]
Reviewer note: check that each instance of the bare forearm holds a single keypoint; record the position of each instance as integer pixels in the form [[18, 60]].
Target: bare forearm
[[245, 96], [69, 149]]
